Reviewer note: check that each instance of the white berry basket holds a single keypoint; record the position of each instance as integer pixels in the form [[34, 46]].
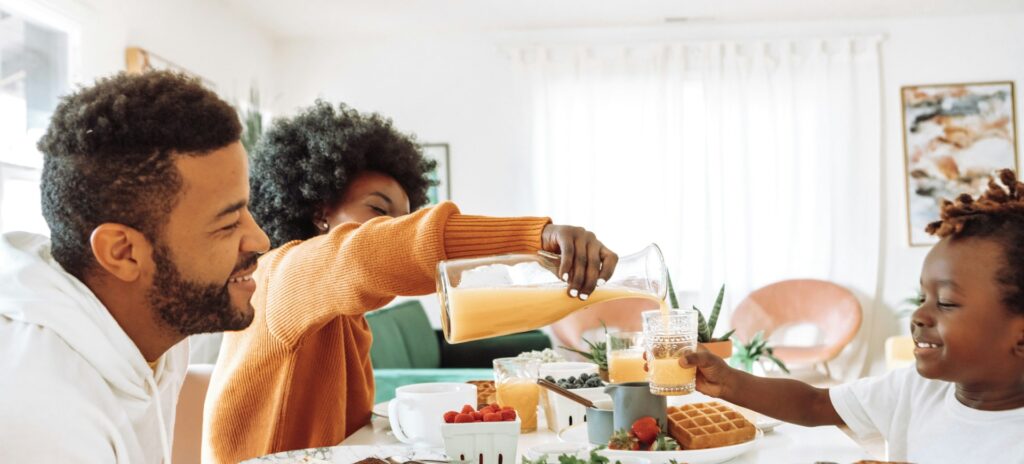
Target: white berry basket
[[482, 442], [567, 413], [559, 411]]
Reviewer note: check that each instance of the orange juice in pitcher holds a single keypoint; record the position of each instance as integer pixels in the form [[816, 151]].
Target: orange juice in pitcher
[[499, 295]]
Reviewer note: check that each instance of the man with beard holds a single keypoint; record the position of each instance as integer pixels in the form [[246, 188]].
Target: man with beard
[[145, 189]]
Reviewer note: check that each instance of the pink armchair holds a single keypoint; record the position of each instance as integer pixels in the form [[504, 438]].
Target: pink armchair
[[831, 308]]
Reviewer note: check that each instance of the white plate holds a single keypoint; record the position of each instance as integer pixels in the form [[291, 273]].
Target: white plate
[[381, 409], [766, 424], [578, 434]]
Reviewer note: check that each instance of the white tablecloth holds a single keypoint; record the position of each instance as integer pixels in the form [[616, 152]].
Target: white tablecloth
[[787, 443]]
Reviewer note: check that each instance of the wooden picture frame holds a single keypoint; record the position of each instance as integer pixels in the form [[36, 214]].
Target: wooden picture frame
[[138, 60], [442, 174]]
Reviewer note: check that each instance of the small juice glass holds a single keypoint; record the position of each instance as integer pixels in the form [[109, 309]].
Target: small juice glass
[[515, 382], [668, 336], [625, 357]]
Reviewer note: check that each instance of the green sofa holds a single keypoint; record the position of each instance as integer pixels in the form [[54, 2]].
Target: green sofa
[[407, 350]]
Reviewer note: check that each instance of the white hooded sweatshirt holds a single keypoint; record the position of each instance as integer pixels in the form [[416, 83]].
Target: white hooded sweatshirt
[[73, 386]]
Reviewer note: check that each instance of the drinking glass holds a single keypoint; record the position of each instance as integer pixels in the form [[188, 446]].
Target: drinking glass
[[515, 382], [625, 357], [668, 336]]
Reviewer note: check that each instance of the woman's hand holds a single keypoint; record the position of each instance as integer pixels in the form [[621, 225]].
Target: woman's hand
[[586, 262]]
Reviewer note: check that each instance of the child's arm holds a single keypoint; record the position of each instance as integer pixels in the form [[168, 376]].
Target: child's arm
[[784, 399]]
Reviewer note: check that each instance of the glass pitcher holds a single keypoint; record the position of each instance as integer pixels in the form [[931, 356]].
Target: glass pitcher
[[499, 295]]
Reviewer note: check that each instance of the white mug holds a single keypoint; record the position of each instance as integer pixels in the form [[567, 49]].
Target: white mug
[[417, 412]]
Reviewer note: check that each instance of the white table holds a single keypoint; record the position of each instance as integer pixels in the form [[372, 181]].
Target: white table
[[787, 443]]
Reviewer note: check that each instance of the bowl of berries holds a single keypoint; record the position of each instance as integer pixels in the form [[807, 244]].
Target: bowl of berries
[[486, 435], [562, 412]]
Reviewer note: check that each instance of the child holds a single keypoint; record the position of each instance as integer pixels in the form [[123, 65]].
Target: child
[[965, 400]]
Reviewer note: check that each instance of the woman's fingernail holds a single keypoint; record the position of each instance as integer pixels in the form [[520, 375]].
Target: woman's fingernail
[[565, 276], [584, 296], [601, 282], [574, 292]]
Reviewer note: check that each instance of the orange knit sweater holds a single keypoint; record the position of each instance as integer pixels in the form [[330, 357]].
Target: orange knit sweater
[[300, 375]]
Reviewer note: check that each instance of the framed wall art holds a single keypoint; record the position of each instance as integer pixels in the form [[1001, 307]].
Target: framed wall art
[[955, 136]]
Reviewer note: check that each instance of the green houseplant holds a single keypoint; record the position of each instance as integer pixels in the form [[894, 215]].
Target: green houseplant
[[252, 120], [720, 346], [746, 354]]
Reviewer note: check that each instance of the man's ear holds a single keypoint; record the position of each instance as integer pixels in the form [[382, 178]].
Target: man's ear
[[1018, 346], [120, 250]]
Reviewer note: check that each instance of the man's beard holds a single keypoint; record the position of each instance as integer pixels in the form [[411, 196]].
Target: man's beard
[[190, 307]]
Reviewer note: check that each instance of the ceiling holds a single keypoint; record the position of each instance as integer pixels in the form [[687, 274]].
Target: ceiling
[[333, 18]]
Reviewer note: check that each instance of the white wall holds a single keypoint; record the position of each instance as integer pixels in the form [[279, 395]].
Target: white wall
[[463, 90], [454, 89], [207, 38], [199, 35]]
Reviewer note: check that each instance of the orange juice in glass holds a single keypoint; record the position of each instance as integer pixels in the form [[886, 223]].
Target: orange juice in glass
[[515, 383], [625, 357], [668, 336]]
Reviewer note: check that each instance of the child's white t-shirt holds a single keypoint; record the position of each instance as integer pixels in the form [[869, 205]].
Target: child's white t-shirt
[[923, 422]]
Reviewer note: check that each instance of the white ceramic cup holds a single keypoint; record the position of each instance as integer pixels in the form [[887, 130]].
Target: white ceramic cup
[[417, 412]]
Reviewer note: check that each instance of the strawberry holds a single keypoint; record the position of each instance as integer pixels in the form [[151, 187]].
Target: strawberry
[[487, 410], [623, 440], [646, 430], [508, 414], [449, 417], [477, 416], [467, 409], [495, 407], [464, 418], [492, 417]]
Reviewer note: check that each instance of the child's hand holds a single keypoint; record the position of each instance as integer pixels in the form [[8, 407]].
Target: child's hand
[[714, 376], [585, 260]]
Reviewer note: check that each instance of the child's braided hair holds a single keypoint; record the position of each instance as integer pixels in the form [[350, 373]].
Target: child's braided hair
[[998, 215]]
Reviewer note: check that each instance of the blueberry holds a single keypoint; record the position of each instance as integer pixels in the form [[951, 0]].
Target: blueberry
[[572, 379]]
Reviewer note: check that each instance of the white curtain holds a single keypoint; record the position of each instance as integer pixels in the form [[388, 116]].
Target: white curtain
[[747, 162]]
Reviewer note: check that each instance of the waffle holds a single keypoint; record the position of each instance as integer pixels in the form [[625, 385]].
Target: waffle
[[485, 392], [708, 425]]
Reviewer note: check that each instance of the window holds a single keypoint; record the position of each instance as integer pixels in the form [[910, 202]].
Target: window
[[33, 75]]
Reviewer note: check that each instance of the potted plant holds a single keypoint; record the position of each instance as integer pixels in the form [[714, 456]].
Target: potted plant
[[252, 120], [747, 354], [598, 353], [720, 346]]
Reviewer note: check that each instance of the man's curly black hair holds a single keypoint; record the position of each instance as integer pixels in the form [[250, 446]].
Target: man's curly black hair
[[109, 156], [305, 162]]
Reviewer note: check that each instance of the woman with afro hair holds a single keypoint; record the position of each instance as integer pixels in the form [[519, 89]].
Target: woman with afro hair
[[326, 167], [339, 193]]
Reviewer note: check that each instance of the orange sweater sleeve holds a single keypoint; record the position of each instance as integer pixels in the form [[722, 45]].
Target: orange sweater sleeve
[[366, 266]]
